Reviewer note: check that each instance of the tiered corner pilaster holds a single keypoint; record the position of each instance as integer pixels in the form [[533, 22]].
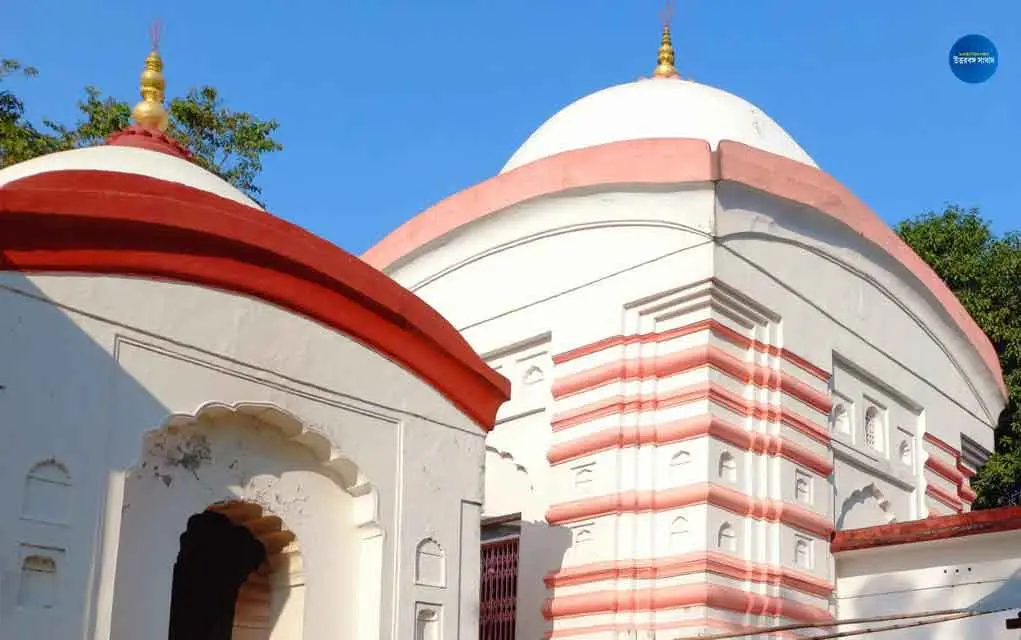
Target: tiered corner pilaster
[[691, 464]]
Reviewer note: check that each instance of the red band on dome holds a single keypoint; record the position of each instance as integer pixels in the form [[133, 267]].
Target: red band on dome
[[103, 222], [142, 137]]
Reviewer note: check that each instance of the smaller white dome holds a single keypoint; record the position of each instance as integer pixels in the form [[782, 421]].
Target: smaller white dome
[[132, 160], [657, 108]]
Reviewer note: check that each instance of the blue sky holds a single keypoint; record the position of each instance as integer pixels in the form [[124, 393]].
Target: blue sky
[[388, 106]]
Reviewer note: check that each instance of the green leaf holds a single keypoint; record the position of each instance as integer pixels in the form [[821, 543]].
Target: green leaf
[[984, 272]]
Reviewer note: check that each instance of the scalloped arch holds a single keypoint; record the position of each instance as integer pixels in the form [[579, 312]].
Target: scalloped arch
[[346, 471]]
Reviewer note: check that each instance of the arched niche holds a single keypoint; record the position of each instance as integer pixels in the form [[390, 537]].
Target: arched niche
[[873, 429], [430, 564], [679, 536], [260, 455], [726, 538], [841, 418], [802, 553], [38, 581], [46, 495], [727, 467], [428, 621], [679, 467], [905, 452], [680, 458], [532, 375]]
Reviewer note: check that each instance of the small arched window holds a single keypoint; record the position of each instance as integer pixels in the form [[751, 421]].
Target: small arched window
[[841, 419], [905, 452], [46, 494], [38, 586], [679, 535], [728, 467], [680, 458], [430, 563], [680, 467], [427, 624], [802, 487], [727, 538], [803, 553], [583, 478]]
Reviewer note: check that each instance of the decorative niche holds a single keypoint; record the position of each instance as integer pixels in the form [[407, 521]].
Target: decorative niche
[[430, 564], [46, 495]]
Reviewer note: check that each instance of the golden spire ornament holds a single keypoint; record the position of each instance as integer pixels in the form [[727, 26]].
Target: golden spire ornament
[[665, 61], [149, 112]]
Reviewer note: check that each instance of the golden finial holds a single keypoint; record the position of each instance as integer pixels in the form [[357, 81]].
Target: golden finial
[[150, 112], [665, 62]]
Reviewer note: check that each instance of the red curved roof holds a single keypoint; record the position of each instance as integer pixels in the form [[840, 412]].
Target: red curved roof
[[122, 224]]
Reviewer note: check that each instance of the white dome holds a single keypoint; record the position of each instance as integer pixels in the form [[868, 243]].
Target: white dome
[[133, 160], [657, 108]]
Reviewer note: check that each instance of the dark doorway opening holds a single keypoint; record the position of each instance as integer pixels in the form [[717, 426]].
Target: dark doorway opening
[[215, 559]]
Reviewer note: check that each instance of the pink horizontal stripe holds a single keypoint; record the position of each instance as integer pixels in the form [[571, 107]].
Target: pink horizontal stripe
[[678, 497], [936, 442], [957, 474], [944, 470], [716, 327], [671, 364], [689, 595], [704, 391], [945, 498], [682, 161], [687, 429], [966, 493], [691, 623], [697, 562]]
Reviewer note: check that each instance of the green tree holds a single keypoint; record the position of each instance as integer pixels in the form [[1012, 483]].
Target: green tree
[[229, 143], [983, 270]]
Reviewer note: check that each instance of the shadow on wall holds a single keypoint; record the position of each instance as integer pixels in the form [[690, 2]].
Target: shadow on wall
[[889, 595], [865, 507], [543, 548], [71, 418]]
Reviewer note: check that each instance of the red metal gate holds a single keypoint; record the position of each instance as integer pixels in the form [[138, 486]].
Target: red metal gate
[[499, 589]]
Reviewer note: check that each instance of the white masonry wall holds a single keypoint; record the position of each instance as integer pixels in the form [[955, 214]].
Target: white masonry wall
[[978, 572], [105, 379], [813, 317]]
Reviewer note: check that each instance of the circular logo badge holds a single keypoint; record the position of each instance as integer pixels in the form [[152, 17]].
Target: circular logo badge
[[974, 59]]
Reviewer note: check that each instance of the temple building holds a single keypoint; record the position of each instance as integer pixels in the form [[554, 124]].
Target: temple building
[[725, 371], [216, 425], [661, 377]]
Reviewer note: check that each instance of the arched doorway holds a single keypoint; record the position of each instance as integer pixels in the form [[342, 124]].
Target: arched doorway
[[232, 577], [247, 455]]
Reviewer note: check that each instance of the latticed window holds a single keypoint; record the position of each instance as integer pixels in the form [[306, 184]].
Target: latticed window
[[499, 589], [872, 428]]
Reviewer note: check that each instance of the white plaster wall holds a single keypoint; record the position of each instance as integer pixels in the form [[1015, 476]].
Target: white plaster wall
[[885, 342], [532, 295], [825, 280], [531, 254], [578, 267], [120, 355], [979, 573], [234, 457]]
